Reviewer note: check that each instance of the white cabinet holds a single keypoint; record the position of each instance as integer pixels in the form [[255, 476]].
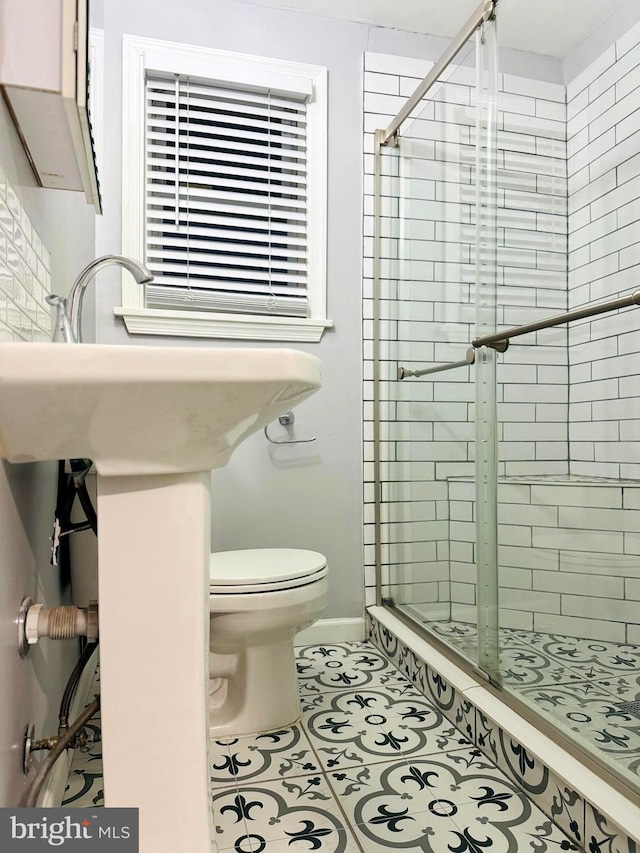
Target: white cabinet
[[44, 78]]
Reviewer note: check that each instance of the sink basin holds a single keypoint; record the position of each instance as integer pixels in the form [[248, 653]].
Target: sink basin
[[143, 410], [155, 421]]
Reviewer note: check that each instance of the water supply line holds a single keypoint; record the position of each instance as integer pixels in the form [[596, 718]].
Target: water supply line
[[81, 740], [72, 687], [30, 796], [79, 470]]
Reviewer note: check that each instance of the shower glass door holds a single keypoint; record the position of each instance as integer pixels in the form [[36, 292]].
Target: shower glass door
[[510, 488], [569, 469], [431, 187]]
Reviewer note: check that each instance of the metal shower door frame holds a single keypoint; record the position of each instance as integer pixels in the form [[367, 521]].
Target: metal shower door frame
[[482, 18]]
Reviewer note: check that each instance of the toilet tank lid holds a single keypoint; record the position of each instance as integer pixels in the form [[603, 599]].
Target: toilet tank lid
[[263, 565]]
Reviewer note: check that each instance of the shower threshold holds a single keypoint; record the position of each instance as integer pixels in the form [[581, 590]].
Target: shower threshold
[[560, 779], [589, 687]]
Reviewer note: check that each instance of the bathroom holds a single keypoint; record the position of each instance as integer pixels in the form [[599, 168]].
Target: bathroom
[[321, 495]]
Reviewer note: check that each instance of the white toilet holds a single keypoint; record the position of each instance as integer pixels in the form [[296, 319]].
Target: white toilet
[[259, 600]]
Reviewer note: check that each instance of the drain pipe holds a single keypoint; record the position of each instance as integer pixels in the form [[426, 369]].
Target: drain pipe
[[58, 623], [30, 797]]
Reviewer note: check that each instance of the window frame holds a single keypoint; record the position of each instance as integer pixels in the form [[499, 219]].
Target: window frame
[[142, 54]]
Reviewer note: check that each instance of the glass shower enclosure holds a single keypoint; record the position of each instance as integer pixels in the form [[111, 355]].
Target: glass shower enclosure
[[507, 491]]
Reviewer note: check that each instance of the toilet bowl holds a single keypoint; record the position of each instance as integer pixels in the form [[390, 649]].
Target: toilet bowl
[[259, 600]]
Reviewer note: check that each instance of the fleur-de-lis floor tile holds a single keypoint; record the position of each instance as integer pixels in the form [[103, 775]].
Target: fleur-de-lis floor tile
[[368, 726], [460, 777], [271, 755], [91, 759], [85, 786], [592, 656], [312, 660], [453, 630], [84, 789], [603, 836], [522, 664], [298, 813], [307, 839], [624, 686], [588, 709], [372, 702], [229, 822], [556, 799], [405, 777], [432, 804], [341, 666], [510, 827], [504, 751]]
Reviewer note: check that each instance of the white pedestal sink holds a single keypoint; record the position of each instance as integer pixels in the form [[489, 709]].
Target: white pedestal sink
[[155, 421]]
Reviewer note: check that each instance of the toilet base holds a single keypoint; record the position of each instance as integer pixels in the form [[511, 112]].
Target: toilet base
[[256, 691]]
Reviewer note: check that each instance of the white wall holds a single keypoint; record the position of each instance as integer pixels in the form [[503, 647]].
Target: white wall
[[31, 688]]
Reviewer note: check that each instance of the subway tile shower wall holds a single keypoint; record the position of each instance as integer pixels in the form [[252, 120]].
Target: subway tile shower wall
[[24, 273], [427, 308], [603, 111], [569, 556]]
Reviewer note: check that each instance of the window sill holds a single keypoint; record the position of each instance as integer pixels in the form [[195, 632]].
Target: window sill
[[206, 324]]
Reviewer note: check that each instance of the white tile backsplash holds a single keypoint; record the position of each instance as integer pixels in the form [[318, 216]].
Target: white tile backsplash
[[24, 273]]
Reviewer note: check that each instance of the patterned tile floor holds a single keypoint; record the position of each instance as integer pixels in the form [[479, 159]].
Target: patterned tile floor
[[371, 766], [84, 785], [579, 683]]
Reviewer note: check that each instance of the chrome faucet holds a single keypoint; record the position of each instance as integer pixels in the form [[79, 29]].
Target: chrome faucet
[[68, 324]]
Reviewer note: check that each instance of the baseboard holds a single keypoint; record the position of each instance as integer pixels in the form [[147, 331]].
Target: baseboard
[[327, 631], [56, 782]]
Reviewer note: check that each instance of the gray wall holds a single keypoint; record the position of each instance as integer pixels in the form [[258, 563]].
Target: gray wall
[[309, 496], [32, 688]]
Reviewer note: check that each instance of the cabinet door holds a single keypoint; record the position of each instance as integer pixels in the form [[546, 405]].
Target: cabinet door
[[44, 79], [75, 78]]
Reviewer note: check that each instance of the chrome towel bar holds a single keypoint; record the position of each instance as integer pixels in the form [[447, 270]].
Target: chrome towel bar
[[500, 340], [469, 358]]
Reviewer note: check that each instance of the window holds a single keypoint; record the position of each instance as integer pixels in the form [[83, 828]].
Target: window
[[224, 193]]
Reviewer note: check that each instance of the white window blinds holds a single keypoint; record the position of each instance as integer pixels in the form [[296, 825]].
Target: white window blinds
[[226, 198]]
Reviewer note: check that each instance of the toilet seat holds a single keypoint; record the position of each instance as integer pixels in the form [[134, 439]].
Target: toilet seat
[[262, 570]]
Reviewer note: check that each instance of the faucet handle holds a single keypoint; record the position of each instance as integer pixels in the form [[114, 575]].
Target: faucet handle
[[62, 332]]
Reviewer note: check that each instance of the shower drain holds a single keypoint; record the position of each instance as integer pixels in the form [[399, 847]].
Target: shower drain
[[632, 708]]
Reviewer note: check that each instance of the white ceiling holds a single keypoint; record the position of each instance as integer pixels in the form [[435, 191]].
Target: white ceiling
[[551, 27]]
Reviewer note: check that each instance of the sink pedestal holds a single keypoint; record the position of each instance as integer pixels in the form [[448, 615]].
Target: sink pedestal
[[149, 416], [154, 548]]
